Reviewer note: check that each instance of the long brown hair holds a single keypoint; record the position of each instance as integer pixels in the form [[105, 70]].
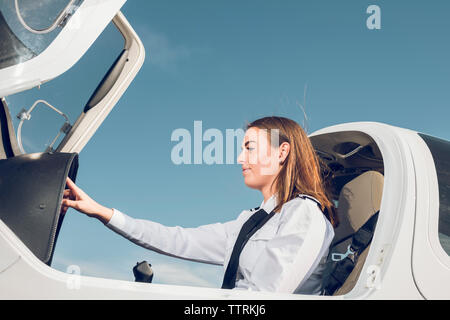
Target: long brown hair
[[301, 171]]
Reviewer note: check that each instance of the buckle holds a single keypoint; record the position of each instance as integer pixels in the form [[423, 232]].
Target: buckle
[[341, 256]]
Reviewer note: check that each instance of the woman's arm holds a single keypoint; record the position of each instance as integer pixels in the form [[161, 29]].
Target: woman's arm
[[203, 244]]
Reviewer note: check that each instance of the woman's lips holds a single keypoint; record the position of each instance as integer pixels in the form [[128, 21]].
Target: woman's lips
[[245, 170]]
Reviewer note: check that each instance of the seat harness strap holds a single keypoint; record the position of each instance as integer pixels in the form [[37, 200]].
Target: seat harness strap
[[343, 264], [255, 222]]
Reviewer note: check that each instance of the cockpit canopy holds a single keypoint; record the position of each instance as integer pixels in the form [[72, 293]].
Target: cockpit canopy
[[41, 41]]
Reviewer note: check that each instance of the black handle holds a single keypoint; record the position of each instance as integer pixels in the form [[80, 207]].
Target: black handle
[[143, 272]]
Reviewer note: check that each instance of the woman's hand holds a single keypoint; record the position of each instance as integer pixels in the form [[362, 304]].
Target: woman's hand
[[76, 198]]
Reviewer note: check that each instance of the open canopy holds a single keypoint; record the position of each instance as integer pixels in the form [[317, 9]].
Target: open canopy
[[41, 40]]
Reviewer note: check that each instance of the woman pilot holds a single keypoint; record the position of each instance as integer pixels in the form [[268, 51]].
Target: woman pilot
[[281, 246]]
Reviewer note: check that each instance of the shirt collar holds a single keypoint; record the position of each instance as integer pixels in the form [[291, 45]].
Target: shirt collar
[[270, 204]]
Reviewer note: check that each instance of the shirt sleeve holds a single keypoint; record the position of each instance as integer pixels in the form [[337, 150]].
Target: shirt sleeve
[[202, 244], [291, 256]]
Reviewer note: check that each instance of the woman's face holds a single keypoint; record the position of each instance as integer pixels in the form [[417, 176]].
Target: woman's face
[[259, 159]]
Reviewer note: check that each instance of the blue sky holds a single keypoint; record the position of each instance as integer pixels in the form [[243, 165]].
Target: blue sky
[[226, 63]]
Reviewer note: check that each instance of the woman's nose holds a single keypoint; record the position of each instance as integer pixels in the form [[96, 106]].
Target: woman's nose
[[241, 158]]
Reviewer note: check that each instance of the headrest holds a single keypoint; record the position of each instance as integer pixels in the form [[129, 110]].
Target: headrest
[[361, 198]]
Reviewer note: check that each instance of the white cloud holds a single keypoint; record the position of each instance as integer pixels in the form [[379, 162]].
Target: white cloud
[[166, 270], [182, 274], [161, 51], [93, 268], [164, 52]]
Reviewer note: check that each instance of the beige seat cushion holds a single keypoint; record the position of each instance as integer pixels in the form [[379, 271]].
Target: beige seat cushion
[[354, 275], [359, 200]]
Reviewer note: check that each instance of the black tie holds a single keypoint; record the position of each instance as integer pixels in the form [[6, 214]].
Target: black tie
[[255, 222]]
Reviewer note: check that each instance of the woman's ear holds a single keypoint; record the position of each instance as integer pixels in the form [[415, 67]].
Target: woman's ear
[[283, 152]]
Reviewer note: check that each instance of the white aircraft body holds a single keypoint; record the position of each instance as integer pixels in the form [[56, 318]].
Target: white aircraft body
[[373, 168]]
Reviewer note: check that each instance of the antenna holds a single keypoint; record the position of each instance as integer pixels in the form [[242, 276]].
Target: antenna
[[305, 117]]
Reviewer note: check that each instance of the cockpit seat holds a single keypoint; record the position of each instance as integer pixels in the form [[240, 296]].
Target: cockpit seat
[[359, 200]]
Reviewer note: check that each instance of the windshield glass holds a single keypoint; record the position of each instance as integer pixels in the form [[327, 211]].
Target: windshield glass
[[27, 27], [57, 104], [440, 150]]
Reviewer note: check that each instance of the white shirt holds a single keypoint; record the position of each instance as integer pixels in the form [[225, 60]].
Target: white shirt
[[287, 254]]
